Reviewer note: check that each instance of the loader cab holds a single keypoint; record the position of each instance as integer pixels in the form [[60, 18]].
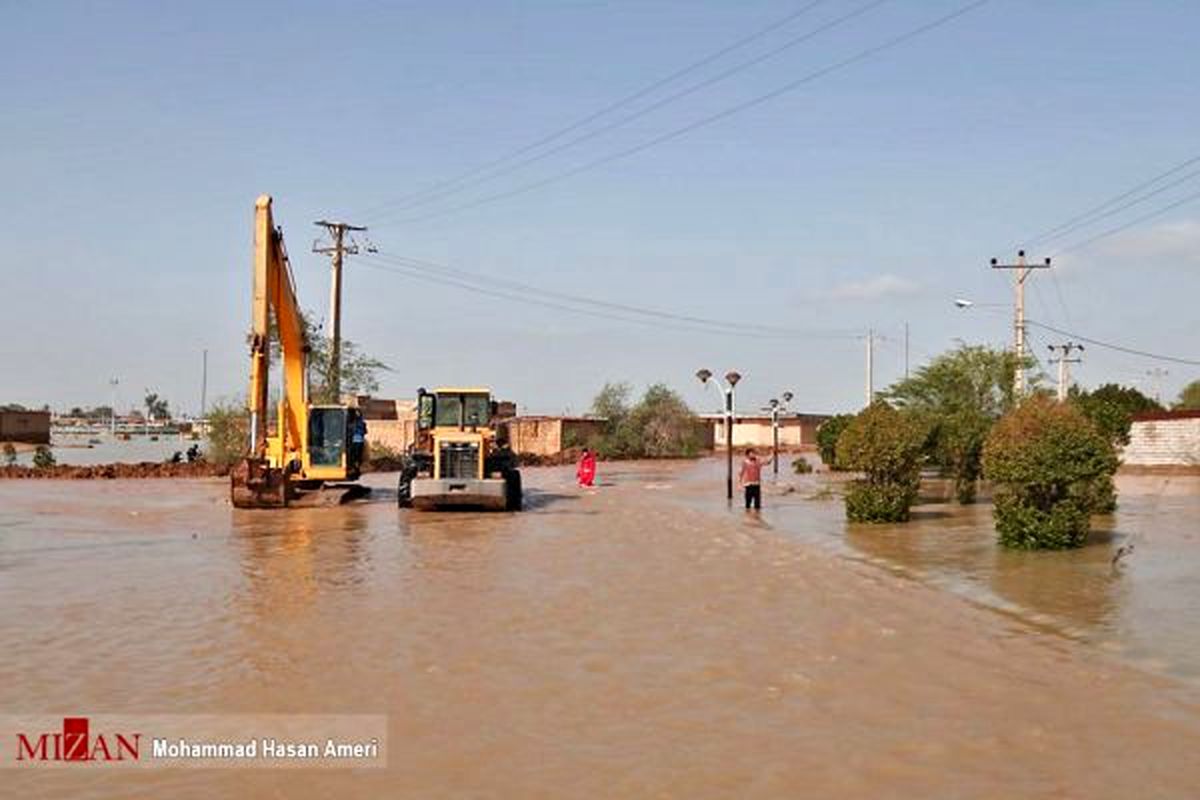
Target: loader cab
[[454, 409], [457, 422]]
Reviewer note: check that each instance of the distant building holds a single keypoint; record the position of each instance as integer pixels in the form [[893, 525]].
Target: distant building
[[392, 424], [1164, 439], [796, 431], [25, 426], [550, 435]]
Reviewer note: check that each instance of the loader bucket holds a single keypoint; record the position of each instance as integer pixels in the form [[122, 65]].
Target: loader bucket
[[255, 484]]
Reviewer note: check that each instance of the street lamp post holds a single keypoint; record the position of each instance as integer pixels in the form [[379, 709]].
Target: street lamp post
[[777, 407], [112, 416], [731, 380]]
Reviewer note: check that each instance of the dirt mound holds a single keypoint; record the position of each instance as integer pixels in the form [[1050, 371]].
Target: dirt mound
[[144, 469]]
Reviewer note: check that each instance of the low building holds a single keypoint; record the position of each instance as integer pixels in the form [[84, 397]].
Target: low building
[[392, 424], [549, 435], [1159, 439], [796, 431], [32, 427]]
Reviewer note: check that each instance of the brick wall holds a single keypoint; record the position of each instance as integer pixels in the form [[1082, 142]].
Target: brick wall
[[25, 426], [1164, 442], [395, 434]]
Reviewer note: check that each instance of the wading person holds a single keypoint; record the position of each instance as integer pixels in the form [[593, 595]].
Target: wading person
[[585, 472], [750, 477]]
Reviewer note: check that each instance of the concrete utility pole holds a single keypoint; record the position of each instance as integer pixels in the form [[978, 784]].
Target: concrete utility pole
[[1022, 272], [1157, 374], [1063, 359], [204, 386], [337, 249], [870, 366], [906, 351]]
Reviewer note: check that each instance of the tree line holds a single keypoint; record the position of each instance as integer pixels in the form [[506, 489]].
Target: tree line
[[1052, 463]]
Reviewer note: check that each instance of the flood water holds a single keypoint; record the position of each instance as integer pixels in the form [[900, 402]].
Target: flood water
[[636, 640], [1143, 608], [82, 450]]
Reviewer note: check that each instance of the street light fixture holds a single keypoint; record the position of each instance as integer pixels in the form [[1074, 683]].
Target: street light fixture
[[776, 407], [731, 380]]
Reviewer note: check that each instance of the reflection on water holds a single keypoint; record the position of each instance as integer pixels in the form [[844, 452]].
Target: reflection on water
[[1141, 607]]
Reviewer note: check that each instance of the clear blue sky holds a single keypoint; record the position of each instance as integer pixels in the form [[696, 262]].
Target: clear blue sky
[[137, 135]]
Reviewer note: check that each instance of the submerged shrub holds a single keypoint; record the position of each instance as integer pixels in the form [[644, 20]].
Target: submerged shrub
[[1052, 469], [886, 446], [880, 502], [43, 458]]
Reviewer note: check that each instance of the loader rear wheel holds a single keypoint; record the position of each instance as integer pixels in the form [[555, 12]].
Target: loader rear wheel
[[404, 487], [514, 499]]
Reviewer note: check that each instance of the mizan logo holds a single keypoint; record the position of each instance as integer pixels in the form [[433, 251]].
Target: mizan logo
[[75, 743]]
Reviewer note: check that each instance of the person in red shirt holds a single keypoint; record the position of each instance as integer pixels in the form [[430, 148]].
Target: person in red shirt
[[750, 477], [586, 471]]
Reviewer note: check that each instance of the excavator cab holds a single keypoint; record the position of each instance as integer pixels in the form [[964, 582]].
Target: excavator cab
[[331, 440]]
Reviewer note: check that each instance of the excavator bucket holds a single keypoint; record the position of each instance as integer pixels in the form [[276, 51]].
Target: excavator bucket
[[255, 484]]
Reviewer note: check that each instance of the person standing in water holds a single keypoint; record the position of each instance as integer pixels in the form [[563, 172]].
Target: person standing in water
[[585, 472], [750, 477]]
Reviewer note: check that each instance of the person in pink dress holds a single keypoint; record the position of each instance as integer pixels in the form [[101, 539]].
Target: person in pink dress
[[586, 470]]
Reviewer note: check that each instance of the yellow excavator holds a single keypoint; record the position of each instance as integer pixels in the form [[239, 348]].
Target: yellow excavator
[[310, 456]]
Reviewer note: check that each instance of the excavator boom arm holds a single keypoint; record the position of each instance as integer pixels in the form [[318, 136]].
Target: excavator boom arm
[[274, 291]]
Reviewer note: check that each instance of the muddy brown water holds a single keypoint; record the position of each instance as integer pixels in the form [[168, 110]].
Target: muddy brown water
[[637, 640]]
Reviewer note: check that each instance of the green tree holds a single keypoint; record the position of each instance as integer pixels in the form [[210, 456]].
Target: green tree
[[1111, 408], [885, 445], [612, 404], [10, 454], [827, 438], [960, 394], [359, 372], [660, 425], [43, 458], [1047, 461], [1189, 398], [228, 432], [664, 425], [156, 407]]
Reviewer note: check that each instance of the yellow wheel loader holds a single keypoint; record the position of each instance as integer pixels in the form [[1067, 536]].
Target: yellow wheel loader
[[461, 457], [310, 455]]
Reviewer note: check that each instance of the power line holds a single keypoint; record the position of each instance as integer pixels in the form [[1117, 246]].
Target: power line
[[1102, 206], [1117, 347], [558, 306], [1122, 207], [791, 86], [1139, 220], [624, 101], [671, 98], [516, 290]]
